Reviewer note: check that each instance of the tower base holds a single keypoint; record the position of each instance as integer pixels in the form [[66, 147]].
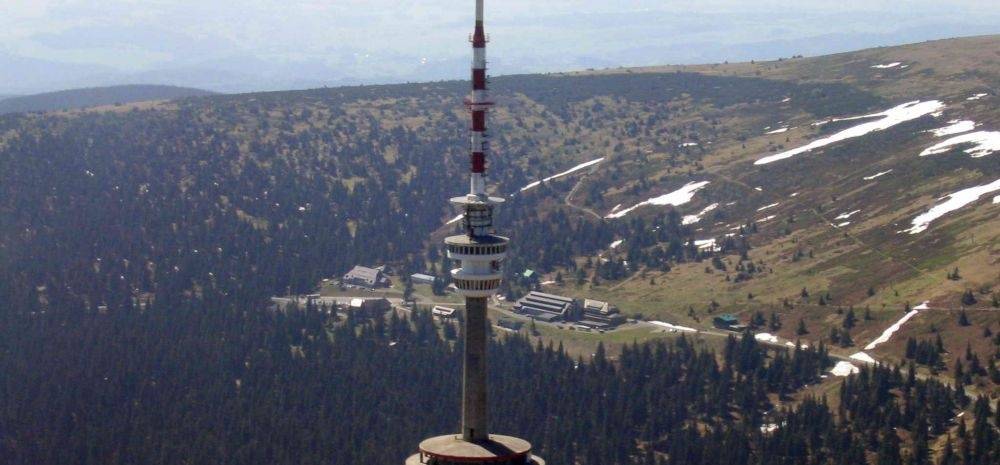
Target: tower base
[[453, 450]]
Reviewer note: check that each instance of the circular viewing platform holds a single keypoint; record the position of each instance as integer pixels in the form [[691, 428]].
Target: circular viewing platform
[[453, 450], [485, 247]]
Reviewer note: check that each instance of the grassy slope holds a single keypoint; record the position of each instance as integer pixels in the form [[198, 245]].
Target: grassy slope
[[869, 252]]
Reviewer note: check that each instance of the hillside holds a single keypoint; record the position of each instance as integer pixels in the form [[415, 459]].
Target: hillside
[[279, 167], [849, 202], [95, 96], [862, 217]]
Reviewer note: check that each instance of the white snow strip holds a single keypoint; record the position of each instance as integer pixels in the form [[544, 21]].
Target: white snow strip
[[923, 306], [955, 201], [887, 65], [786, 100], [615, 244], [766, 218], [564, 173], [977, 96], [880, 173], [692, 219], [983, 144], [765, 207], [703, 244], [841, 225], [758, 189], [794, 194], [954, 127], [889, 118], [844, 368], [766, 337], [996, 199], [546, 283], [688, 144], [674, 327], [768, 428], [455, 219], [676, 198], [777, 131], [616, 207], [844, 216], [863, 357], [895, 327]]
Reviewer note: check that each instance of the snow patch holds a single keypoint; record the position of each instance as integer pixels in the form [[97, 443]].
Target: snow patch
[[954, 127], [844, 368], [786, 100], [688, 144], [889, 118], [895, 327], [564, 173], [676, 198], [863, 357], [766, 218], [615, 244], [692, 219], [983, 144], [765, 207], [703, 244], [977, 96], [845, 223], [844, 216], [887, 65], [768, 428], [766, 337], [674, 327], [880, 173], [794, 194], [955, 201], [758, 189], [778, 131]]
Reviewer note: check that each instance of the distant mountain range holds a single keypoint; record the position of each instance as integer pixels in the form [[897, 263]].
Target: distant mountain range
[[579, 42], [95, 96]]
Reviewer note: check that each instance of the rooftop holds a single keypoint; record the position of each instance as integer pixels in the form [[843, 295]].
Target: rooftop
[[453, 449]]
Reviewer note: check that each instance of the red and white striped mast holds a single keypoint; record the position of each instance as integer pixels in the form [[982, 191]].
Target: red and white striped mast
[[479, 104]]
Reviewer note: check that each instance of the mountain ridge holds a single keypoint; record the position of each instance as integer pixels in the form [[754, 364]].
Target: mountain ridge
[[95, 96]]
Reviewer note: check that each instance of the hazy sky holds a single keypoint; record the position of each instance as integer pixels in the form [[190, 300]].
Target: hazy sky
[[399, 39]]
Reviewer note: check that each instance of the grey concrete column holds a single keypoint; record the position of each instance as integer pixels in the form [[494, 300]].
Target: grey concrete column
[[474, 413]]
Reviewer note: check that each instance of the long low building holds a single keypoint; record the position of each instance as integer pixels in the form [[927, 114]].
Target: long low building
[[550, 307], [545, 307], [421, 278]]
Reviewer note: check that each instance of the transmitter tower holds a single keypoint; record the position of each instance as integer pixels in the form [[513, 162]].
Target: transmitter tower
[[481, 253]]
